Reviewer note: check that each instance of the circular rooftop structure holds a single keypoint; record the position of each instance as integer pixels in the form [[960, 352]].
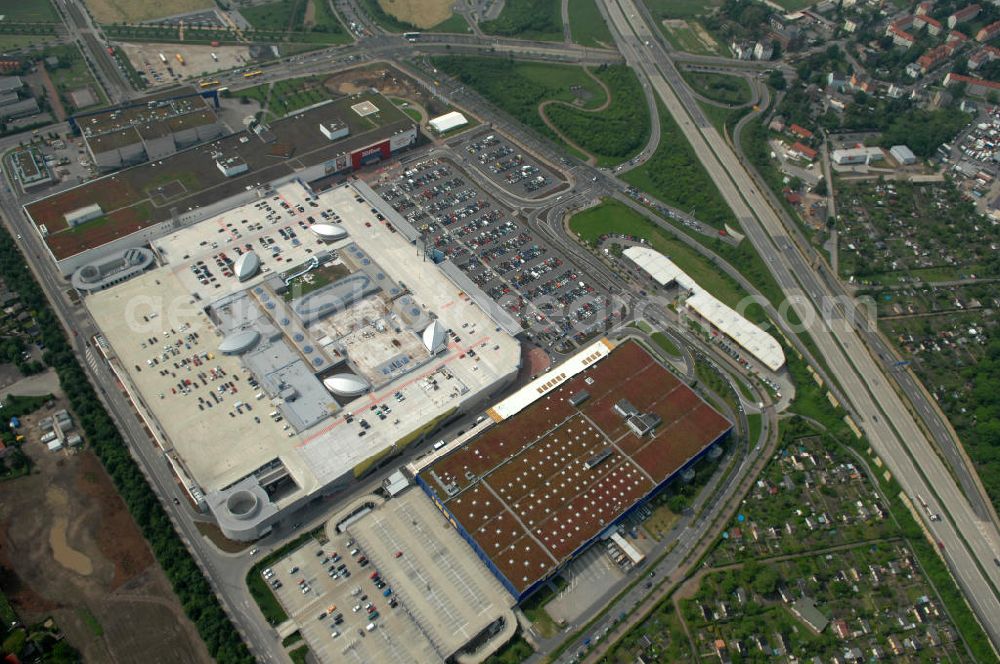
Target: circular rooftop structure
[[242, 504], [346, 385], [238, 343], [246, 265], [329, 232]]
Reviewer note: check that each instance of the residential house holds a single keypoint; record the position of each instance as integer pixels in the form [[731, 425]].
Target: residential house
[[742, 50], [964, 14], [800, 151], [924, 8], [932, 58], [982, 56], [933, 26], [840, 629], [800, 131], [762, 51], [989, 32], [835, 81], [805, 610], [973, 86], [851, 26], [900, 37]]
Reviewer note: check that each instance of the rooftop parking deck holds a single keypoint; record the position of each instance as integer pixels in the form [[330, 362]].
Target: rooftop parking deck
[[222, 427]]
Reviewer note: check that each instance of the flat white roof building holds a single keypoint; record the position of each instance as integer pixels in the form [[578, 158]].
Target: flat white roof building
[[903, 154], [848, 156], [751, 338], [235, 378], [448, 121]]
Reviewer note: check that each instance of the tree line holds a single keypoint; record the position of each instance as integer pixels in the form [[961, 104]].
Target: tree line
[[193, 590]]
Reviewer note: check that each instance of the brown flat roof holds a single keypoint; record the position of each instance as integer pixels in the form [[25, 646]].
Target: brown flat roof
[[524, 493], [126, 196]]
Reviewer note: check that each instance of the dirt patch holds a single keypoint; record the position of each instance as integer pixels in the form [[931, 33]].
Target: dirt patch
[[70, 549], [421, 13], [310, 17], [133, 11], [63, 552], [703, 36], [389, 81]]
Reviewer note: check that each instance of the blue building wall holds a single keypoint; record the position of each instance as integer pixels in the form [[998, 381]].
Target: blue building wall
[[521, 596]]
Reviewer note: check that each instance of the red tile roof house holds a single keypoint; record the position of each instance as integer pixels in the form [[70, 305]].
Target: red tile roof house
[[974, 86], [989, 32], [900, 37], [800, 131], [934, 26], [964, 14], [803, 151]]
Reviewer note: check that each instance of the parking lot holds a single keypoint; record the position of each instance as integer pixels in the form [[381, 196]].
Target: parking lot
[[592, 575], [276, 228], [340, 611], [395, 586], [505, 164], [498, 252]]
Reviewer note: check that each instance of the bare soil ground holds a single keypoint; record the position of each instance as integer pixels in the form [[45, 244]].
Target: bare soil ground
[[133, 11], [70, 549], [421, 13], [387, 80]]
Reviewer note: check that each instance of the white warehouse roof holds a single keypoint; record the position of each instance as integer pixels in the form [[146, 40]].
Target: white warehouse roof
[[551, 379], [751, 338], [448, 121]]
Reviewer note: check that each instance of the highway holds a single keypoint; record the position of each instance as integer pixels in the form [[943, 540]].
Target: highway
[[969, 543]]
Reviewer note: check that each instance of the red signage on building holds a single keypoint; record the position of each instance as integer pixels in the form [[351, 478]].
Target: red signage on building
[[370, 154]]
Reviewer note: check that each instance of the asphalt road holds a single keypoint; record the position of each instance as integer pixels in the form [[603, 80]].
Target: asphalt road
[[968, 542]]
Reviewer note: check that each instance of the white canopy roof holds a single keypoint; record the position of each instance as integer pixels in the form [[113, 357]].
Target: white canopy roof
[[346, 385], [448, 121], [434, 336], [329, 231], [751, 338], [246, 265]]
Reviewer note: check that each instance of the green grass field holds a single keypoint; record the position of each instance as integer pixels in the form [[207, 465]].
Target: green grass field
[[614, 217], [32, 11], [664, 342], [685, 39], [663, 9], [527, 19], [519, 87], [287, 17], [15, 42], [72, 73], [587, 25], [456, 23], [722, 88], [723, 119]]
